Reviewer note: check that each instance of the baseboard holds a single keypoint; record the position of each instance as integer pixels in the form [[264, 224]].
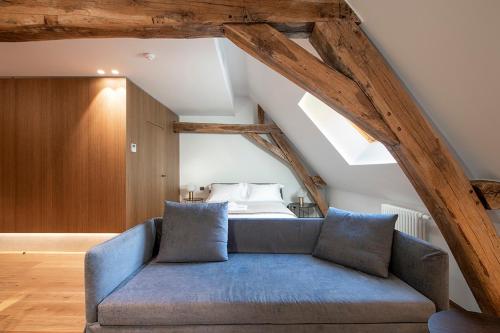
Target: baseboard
[[51, 242]]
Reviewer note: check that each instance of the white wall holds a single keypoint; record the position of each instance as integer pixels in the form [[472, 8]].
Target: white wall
[[212, 158]]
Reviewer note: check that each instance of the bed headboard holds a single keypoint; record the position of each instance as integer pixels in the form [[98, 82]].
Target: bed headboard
[[281, 189]]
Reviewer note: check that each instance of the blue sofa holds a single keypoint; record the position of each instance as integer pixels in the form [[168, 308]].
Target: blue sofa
[[270, 283]]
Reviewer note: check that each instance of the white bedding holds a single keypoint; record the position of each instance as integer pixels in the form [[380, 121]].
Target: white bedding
[[260, 209]]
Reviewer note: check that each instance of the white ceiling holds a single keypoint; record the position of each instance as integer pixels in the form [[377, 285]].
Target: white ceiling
[[447, 52], [186, 75]]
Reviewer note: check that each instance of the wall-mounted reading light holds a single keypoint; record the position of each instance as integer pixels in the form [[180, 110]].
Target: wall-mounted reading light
[[115, 72], [101, 72]]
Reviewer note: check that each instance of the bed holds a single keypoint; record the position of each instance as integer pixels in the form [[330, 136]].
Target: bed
[[251, 200], [260, 209]]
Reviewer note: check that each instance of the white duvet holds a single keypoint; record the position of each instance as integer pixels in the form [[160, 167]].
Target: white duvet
[[259, 209]]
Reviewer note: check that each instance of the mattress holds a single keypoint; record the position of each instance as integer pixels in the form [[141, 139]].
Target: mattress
[[261, 209]]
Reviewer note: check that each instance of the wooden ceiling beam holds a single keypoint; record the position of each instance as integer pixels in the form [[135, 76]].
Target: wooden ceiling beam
[[69, 19], [284, 151], [266, 145], [298, 65], [301, 171], [182, 127], [318, 181], [423, 156], [261, 115], [488, 192]]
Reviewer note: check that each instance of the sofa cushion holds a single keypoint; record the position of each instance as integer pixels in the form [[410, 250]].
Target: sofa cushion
[[194, 232], [360, 241], [261, 289]]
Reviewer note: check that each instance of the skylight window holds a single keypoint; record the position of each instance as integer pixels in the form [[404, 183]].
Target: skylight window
[[356, 146]]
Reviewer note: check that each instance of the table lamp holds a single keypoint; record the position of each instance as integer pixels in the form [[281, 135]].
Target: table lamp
[[301, 195], [191, 188]]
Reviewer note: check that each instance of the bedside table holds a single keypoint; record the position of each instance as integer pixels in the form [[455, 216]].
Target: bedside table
[[307, 209], [193, 200]]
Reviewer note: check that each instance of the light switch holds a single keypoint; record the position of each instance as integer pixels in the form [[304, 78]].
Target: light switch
[[133, 147]]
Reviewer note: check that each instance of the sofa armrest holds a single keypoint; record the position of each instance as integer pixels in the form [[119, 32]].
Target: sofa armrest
[[113, 262], [422, 266]]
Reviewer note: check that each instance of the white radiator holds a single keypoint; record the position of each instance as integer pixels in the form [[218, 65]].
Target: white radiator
[[409, 221]]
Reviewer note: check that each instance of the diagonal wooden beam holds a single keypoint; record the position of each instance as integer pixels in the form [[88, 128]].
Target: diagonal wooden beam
[[67, 19], [423, 156], [298, 65], [266, 145], [181, 127], [318, 181], [301, 171], [489, 192], [261, 115], [282, 149]]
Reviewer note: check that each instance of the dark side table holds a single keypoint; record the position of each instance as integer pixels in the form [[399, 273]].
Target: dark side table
[[193, 200], [461, 321], [307, 209]]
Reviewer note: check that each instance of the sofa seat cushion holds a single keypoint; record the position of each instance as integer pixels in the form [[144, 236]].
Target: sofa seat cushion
[[261, 289]]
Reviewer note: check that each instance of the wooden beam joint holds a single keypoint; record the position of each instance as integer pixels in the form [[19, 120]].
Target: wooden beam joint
[[298, 65], [488, 192], [266, 145]]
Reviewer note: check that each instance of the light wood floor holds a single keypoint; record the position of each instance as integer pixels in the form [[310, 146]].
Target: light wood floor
[[41, 292]]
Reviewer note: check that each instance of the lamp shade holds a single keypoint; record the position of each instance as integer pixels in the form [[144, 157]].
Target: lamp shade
[[191, 187], [301, 193]]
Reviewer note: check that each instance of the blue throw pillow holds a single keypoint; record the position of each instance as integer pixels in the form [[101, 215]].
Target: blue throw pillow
[[360, 241], [194, 232]]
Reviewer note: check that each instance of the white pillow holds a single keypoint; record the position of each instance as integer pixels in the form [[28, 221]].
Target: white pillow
[[264, 192], [227, 192]]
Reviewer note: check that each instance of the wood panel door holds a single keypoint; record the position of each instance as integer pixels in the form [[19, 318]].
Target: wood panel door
[[156, 171], [153, 170]]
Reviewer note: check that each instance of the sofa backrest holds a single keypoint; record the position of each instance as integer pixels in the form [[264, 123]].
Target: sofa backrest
[[266, 235]]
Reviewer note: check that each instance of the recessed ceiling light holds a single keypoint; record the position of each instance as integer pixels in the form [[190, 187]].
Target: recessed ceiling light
[[115, 72], [149, 56], [101, 72]]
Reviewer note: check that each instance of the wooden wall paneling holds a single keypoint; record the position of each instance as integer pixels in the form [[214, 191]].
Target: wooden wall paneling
[[172, 157], [132, 132], [136, 162], [107, 114], [65, 171], [149, 126], [8, 155], [32, 199]]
